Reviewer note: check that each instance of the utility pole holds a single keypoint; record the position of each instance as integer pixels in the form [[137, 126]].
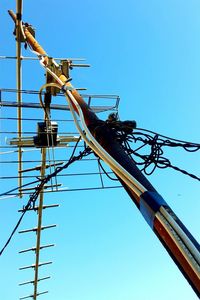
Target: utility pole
[[174, 236]]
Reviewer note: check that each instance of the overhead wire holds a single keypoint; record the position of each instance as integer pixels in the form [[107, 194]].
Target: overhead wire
[[91, 141], [15, 189], [155, 158], [33, 197], [164, 136], [132, 183], [105, 172], [98, 149], [130, 180], [94, 145], [109, 159]]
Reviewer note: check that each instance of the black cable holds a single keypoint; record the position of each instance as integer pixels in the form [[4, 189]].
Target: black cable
[[166, 137], [35, 181], [33, 197], [125, 133], [106, 173], [17, 188], [162, 164], [13, 232], [156, 158], [147, 139]]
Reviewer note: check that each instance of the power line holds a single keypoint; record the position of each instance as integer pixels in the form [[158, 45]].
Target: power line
[[125, 132], [166, 137], [156, 143]]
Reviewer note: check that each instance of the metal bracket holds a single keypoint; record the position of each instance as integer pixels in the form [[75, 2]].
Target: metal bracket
[[49, 79], [65, 67]]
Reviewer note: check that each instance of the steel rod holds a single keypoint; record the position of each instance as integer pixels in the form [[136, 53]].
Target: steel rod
[[54, 106], [19, 86], [39, 226], [35, 58], [40, 205]]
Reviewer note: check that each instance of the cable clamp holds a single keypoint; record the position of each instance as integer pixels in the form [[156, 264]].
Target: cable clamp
[[68, 79], [65, 88], [40, 56]]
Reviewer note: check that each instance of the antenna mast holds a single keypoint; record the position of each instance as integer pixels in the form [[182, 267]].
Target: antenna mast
[[174, 236]]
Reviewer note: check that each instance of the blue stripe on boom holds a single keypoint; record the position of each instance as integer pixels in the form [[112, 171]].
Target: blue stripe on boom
[[150, 202]]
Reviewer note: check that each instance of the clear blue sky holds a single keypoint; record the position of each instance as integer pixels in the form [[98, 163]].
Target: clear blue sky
[[147, 52]]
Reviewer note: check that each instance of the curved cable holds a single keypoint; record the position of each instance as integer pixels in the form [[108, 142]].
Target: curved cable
[[94, 145], [169, 138], [100, 151], [33, 197]]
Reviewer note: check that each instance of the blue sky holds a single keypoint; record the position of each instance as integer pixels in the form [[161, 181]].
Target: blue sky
[[147, 52]]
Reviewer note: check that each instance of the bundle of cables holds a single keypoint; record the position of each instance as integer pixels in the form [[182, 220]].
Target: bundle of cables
[[145, 140]]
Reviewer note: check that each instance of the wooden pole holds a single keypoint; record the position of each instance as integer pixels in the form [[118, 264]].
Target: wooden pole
[[174, 236]]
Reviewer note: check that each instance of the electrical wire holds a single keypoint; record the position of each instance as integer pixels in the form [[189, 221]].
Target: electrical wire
[[156, 143], [33, 197], [91, 141], [49, 127], [105, 172], [44, 86], [94, 145], [99, 150], [166, 137]]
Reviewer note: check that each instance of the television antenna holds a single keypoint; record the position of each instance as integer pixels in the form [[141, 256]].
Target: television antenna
[[101, 138]]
